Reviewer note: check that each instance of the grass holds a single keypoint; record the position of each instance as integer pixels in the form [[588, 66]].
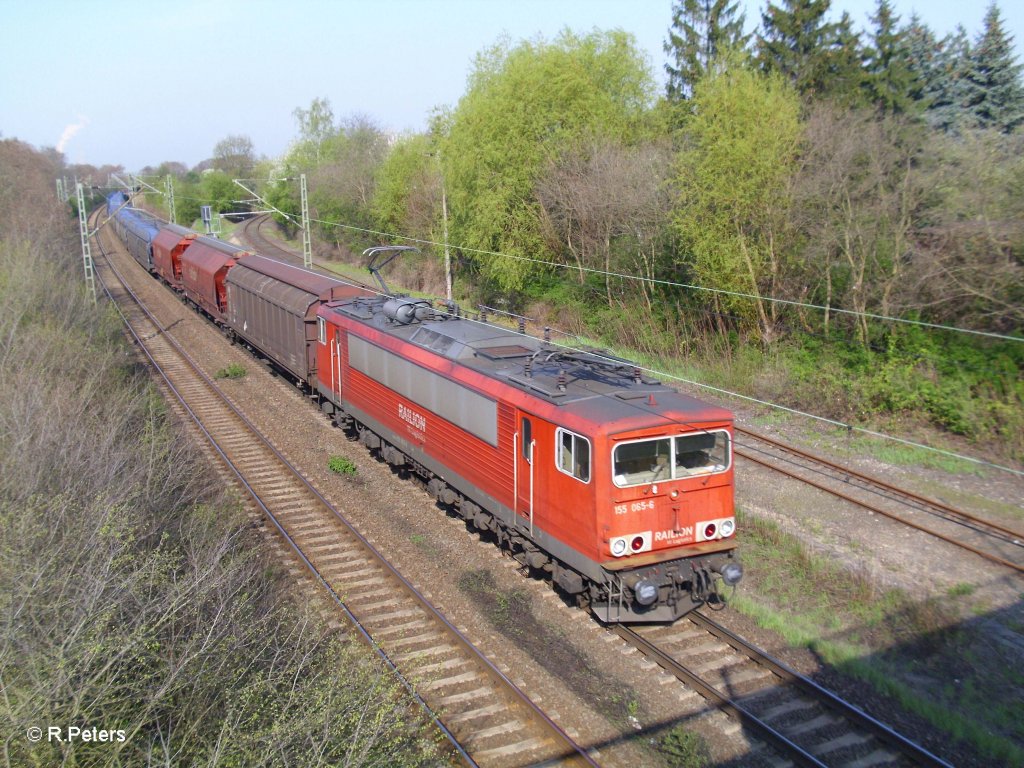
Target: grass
[[232, 371], [900, 454], [342, 465], [960, 590], [945, 669], [684, 749]]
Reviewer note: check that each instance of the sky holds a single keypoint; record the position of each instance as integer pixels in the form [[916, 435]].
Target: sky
[[138, 83]]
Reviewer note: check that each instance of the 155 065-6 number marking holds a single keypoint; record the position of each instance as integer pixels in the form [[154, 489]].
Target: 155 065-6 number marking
[[647, 505]]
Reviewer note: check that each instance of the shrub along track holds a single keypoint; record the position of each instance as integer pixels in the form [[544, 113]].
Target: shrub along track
[[983, 537], [487, 718]]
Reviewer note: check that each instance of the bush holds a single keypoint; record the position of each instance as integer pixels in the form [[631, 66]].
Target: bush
[[133, 596], [233, 371], [341, 465], [684, 749]]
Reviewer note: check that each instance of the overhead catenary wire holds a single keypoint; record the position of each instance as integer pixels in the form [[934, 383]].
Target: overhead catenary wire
[[795, 411], [673, 284], [748, 398], [654, 281], [850, 428]]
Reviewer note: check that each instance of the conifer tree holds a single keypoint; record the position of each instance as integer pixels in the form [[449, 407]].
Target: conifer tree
[[891, 81], [994, 97], [923, 58], [701, 29], [844, 65], [819, 57], [947, 85]]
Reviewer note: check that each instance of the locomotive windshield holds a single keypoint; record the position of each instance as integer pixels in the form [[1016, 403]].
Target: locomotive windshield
[[670, 458]]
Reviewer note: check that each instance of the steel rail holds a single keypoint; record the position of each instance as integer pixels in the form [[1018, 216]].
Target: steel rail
[[364, 634], [918, 753], [878, 510], [779, 741], [910, 498]]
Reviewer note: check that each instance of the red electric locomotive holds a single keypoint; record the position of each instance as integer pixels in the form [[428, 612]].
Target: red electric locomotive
[[615, 485]]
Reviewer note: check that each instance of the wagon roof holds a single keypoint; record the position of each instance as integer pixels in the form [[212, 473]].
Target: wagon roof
[[308, 282], [592, 384], [171, 234]]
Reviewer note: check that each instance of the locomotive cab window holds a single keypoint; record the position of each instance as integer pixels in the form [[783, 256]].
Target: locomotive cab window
[[701, 453], [670, 458], [321, 330], [527, 439], [572, 454]]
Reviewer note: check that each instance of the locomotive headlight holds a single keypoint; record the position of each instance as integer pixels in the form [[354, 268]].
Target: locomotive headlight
[[731, 573], [646, 592], [727, 527], [619, 547]]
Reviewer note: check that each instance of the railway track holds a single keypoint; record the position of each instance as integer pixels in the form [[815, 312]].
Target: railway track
[[489, 720], [800, 720], [251, 231], [985, 538]]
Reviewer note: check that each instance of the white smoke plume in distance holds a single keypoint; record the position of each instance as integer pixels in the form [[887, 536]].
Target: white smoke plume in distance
[[70, 131]]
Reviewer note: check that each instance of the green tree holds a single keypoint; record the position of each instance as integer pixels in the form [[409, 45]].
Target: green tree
[[923, 51], [819, 57], [701, 29], [733, 179], [891, 80], [994, 95], [234, 156], [316, 125], [407, 192], [844, 65], [523, 106], [947, 82], [341, 187]]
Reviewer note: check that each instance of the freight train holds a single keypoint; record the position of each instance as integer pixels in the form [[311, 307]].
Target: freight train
[[612, 485]]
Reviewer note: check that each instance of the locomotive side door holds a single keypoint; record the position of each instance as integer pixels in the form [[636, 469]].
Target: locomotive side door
[[525, 460], [334, 377]]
